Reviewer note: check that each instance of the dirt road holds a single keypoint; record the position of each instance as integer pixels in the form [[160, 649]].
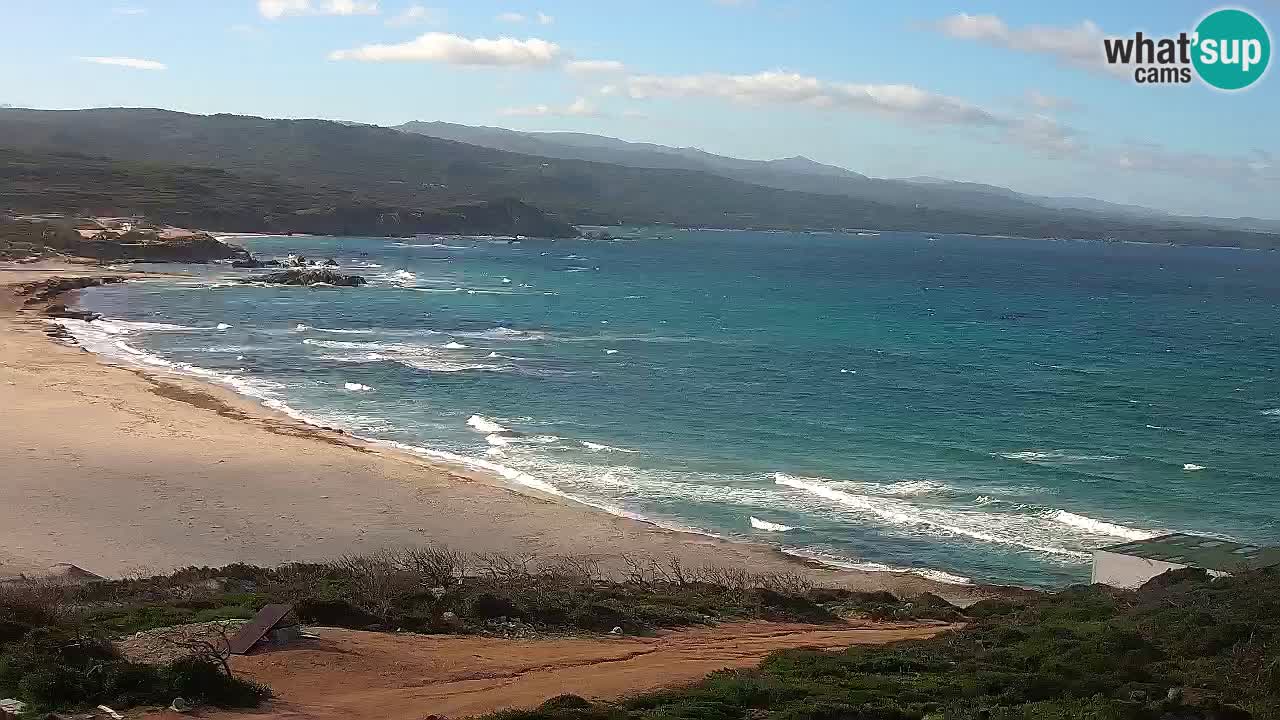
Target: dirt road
[[367, 676]]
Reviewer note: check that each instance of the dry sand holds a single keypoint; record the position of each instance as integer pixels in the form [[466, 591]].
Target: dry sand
[[361, 675], [119, 472]]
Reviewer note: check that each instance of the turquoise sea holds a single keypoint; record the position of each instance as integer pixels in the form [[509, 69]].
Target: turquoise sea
[[968, 408]]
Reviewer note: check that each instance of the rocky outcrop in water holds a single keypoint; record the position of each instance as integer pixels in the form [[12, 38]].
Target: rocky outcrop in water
[[254, 263], [45, 290], [309, 276], [58, 310]]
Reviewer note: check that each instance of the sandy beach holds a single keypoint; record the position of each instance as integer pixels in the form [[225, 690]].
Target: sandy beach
[[120, 472]]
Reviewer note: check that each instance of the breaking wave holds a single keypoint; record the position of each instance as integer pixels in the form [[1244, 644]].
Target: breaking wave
[[1099, 527], [833, 560], [480, 423], [600, 447], [1049, 456], [767, 526], [1018, 531]]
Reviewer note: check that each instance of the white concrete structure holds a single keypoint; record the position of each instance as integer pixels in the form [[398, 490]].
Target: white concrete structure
[[1131, 564]]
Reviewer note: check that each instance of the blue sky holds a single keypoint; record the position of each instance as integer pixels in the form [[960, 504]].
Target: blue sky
[[1007, 93]]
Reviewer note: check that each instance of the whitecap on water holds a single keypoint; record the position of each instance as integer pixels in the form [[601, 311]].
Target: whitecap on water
[[1099, 527], [1020, 531], [767, 526], [480, 423], [600, 447], [1191, 467]]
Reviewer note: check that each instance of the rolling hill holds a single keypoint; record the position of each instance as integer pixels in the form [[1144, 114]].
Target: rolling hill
[[321, 166]]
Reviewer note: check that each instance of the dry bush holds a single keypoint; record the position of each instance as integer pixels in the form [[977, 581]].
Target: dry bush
[[504, 567], [435, 565], [571, 571], [377, 582]]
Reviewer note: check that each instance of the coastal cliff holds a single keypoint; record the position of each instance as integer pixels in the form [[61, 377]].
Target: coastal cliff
[[35, 237]]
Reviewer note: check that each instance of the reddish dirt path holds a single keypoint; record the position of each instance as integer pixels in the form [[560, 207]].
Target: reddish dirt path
[[367, 676]]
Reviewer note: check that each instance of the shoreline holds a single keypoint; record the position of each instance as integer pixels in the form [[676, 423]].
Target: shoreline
[[550, 523]]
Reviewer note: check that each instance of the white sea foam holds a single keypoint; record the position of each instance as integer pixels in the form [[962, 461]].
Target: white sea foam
[[500, 333], [356, 387], [401, 276], [833, 560], [1191, 467], [480, 423], [1099, 527], [1050, 456], [767, 526], [913, 487], [345, 331], [397, 348], [600, 447], [897, 512], [454, 346], [497, 439], [102, 337], [1274, 412], [223, 326], [445, 366], [610, 352], [301, 328]]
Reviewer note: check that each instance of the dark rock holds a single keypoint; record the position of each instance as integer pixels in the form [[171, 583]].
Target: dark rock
[[58, 310], [45, 290], [309, 276], [330, 262], [253, 262]]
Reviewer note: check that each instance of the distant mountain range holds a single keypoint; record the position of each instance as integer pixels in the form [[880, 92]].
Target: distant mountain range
[[246, 173], [803, 174]]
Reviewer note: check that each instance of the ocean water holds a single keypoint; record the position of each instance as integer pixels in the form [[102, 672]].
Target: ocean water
[[965, 408]]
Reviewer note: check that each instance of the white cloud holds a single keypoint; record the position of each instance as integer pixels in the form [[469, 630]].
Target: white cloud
[[594, 67], [275, 9], [1045, 134], [793, 88], [1079, 45], [580, 107], [458, 50], [510, 17], [135, 63], [545, 19], [417, 15], [129, 10], [1257, 167], [1043, 101]]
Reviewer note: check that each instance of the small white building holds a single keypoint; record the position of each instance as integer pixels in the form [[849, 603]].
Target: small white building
[[1131, 564]]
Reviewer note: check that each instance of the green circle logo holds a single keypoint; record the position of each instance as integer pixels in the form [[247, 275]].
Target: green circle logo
[[1232, 49]]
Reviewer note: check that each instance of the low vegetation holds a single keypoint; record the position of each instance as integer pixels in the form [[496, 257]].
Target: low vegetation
[[56, 646], [1182, 648], [51, 659]]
